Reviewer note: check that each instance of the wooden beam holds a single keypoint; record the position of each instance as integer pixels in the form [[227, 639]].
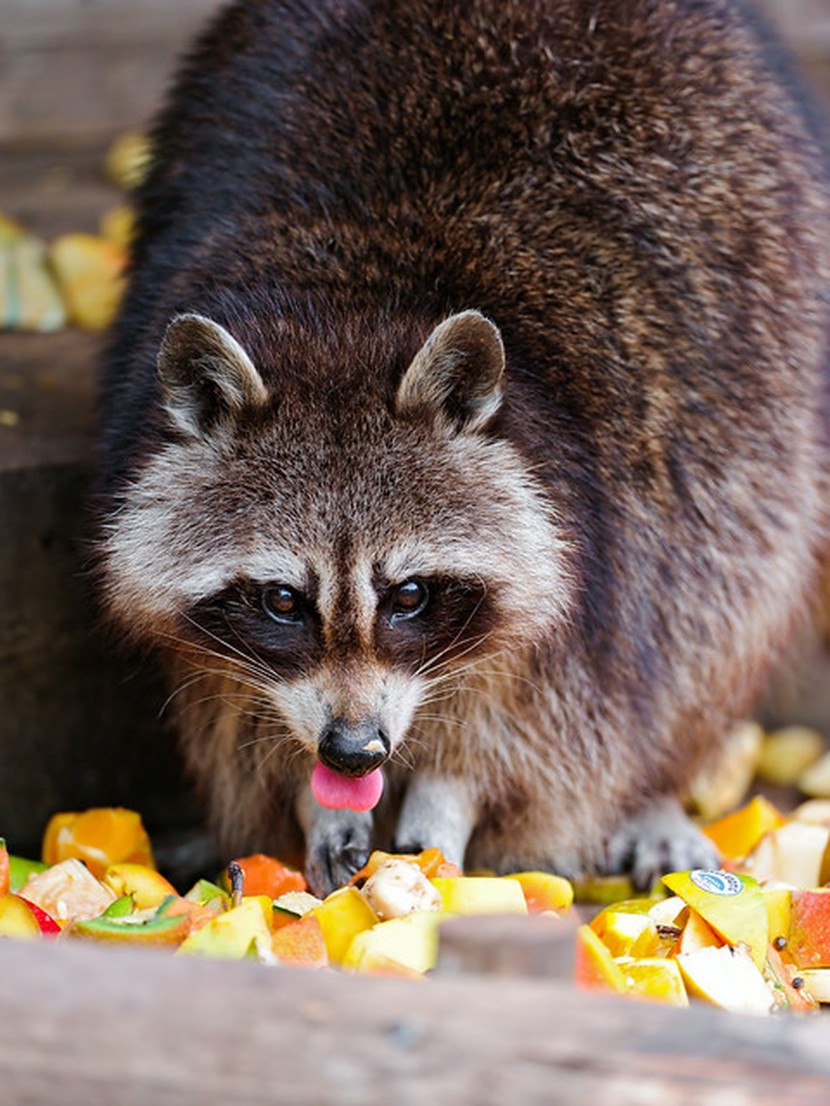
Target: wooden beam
[[101, 1025]]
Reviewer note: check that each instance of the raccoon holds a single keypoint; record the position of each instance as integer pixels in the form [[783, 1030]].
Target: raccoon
[[464, 441]]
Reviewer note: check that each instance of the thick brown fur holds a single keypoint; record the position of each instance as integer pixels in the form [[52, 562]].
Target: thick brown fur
[[632, 193]]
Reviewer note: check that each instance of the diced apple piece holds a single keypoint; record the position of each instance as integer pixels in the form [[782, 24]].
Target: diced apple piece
[[814, 811], [779, 909], [787, 753], [809, 940], [342, 915], [787, 984], [817, 983], [738, 833], [232, 935], [697, 934], [544, 891], [725, 781], [398, 887], [411, 940], [147, 887], [796, 853], [376, 963], [301, 943], [726, 977], [595, 969], [16, 919], [68, 891], [481, 895], [655, 978], [89, 271], [671, 911], [732, 905], [816, 780]]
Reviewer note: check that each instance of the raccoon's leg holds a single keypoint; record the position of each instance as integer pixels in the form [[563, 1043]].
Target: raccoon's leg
[[437, 811], [337, 843], [657, 840]]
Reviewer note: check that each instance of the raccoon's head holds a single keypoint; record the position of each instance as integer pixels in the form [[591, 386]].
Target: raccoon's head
[[344, 546]]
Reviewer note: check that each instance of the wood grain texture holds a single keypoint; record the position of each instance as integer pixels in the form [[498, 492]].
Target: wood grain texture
[[73, 67], [103, 1026]]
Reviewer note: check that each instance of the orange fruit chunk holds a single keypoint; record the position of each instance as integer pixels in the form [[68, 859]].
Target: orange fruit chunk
[[100, 836], [738, 833], [655, 978], [265, 875], [595, 968]]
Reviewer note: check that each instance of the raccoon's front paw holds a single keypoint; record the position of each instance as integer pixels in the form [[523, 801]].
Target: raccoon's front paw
[[658, 840], [338, 846]]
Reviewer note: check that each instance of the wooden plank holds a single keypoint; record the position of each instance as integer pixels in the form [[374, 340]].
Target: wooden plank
[[500, 944], [47, 396], [94, 67], [98, 1026], [56, 24]]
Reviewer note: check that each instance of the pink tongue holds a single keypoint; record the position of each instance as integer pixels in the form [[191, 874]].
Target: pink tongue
[[355, 792]]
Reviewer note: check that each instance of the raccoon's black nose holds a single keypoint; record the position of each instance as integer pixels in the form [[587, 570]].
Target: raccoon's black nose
[[353, 748]]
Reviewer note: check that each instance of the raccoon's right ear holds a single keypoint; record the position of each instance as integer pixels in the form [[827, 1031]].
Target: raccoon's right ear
[[206, 375], [456, 375]]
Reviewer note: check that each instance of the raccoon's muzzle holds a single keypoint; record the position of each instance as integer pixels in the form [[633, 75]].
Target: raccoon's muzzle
[[353, 748]]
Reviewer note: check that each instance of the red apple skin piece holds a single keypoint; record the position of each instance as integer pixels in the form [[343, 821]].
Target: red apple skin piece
[[809, 939], [4, 868], [15, 922], [46, 923]]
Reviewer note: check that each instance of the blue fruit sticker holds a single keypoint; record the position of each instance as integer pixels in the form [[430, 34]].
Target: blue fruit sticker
[[716, 882]]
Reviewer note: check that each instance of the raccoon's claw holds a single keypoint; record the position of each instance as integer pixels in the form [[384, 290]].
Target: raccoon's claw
[[660, 839], [336, 850]]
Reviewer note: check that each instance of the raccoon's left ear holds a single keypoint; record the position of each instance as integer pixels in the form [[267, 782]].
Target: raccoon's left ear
[[456, 375], [206, 375]]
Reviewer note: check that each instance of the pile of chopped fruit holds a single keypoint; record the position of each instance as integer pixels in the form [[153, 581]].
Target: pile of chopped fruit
[[97, 881], [753, 936]]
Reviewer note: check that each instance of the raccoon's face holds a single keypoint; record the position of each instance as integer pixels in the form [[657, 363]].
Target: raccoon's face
[[346, 554]]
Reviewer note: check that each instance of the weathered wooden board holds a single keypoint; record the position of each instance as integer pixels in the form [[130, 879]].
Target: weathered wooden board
[[75, 67], [102, 1026], [79, 720]]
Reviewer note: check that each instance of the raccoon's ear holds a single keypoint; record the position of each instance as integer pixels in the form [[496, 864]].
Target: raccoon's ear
[[206, 375], [456, 375]]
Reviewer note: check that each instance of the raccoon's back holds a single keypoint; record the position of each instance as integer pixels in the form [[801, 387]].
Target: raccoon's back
[[546, 162]]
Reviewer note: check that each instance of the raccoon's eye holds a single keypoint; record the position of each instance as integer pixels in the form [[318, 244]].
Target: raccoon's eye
[[409, 600], [282, 603]]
